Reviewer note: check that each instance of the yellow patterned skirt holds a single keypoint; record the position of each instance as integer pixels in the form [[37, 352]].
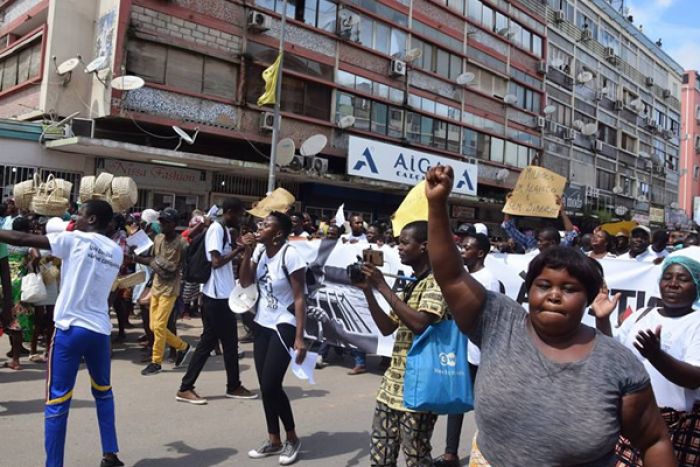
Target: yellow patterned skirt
[[476, 459]]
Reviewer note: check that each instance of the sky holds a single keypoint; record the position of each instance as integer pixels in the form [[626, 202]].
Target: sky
[[675, 22]]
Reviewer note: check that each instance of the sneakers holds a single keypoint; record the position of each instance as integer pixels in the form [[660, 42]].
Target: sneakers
[[183, 355], [290, 452], [111, 460], [151, 369], [320, 363], [241, 393], [190, 397], [265, 450]]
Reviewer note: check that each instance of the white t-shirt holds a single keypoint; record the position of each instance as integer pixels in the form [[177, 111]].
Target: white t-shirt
[[275, 290], [350, 237], [222, 280], [489, 281], [90, 265], [680, 338], [644, 257]]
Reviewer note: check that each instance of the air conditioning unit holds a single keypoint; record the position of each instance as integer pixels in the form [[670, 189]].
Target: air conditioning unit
[[259, 21], [398, 68], [649, 165], [651, 123], [550, 126], [599, 95], [569, 134], [542, 67], [667, 134], [82, 127], [541, 122], [598, 146], [569, 80], [619, 105], [586, 35], [297, 163], [609, 54], [267, 120], [649, 80], [666, 93], [317, 165], [559, 16]]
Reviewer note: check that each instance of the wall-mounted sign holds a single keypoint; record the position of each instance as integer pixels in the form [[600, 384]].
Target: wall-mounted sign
[[159, 176]]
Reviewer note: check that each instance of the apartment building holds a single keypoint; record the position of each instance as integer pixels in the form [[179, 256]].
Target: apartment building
[[689, 192], [431, 80], [614, 112]]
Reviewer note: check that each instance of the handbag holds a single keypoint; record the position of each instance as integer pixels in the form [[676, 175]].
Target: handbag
[[437, 372], [33, 288]]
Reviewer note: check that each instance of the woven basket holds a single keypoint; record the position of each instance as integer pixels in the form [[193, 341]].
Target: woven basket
[[125, 193], [63, 187], [87, 187], [47, 201], [103, 183], [23, 192]]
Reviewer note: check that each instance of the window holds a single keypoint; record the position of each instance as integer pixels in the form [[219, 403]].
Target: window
[[628, 143], [527, 98], [380, 37], [605, 180], [370, 115], [696, 172], [368, 86], [317, 13], [182, 69], [437, 60], [21, 66]]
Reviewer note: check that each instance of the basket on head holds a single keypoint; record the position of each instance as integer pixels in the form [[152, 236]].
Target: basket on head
[[23, 192], [63, 187], [47, 202], [125, 193], [87, 187], [103, 187]]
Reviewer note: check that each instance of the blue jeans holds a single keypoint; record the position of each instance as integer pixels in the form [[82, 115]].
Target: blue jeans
[[359, 356], [67, 350]]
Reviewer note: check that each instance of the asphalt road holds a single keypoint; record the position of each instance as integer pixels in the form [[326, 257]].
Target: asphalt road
[[333, 417]]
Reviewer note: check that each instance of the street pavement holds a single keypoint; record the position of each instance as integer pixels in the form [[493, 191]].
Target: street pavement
[[333, 417]]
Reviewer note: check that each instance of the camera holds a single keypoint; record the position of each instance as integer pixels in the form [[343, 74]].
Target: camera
[[369, 256]]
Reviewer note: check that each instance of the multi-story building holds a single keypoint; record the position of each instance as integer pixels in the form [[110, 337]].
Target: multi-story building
[[614, 111], [690, 144], [463, 80]]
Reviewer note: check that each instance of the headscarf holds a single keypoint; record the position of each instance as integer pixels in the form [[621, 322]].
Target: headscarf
[[690, 265]]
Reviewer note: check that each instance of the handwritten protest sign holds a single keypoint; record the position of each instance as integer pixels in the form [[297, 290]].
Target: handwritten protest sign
[[535, 193]]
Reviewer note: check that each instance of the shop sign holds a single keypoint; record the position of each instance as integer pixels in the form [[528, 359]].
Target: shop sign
[[642, 219], [390, 163], [463, 212], [574, 197], [656, 215], [151, 176]]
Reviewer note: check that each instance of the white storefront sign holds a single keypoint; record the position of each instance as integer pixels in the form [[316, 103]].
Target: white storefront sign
[[172, 179], [387, 162]]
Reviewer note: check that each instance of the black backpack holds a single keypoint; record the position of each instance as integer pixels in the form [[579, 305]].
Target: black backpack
[[197, 268]]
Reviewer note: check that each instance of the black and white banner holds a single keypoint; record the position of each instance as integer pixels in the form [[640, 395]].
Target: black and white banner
[[338, 311]]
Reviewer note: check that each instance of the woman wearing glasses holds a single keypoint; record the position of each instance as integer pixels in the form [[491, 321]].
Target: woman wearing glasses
[[279, 272]]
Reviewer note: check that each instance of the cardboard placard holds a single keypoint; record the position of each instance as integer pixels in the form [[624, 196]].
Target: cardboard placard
[[535, 193]]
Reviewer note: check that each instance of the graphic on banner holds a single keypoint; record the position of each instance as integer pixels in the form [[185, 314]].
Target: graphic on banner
[[387, 162], [535, 193]]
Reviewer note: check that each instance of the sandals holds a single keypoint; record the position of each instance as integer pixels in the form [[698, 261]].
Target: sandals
[[37, 358], [12, 366]]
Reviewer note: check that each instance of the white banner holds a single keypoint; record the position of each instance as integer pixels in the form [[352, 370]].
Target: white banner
[[339, 314], [381, 161]]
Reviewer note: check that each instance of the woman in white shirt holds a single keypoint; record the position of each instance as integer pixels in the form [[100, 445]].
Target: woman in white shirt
[[279, 272], [601, 245], [667, 341]]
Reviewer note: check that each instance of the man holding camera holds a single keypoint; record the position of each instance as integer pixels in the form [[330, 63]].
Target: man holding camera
[[420, 305]]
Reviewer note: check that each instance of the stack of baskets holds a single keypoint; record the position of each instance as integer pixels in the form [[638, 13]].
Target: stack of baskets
[[50, 198], [120, 192]]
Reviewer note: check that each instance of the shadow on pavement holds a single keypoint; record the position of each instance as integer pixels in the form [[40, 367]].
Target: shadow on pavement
[[29, 372], [11, 408], [296, 392], [323, 444], [189, 456]]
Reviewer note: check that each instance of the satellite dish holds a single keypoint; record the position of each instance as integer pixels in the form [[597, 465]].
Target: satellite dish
[[589, 129], [285, 152], [549, 109], [674, 205], [510, 99], [620, 210], [584, 77], [644, 155], [465, 78], [642, 199], [504, 31], [502, 174], [413, 54], [557, 62], [346, 122], [67, 66], [100, 63], [617, 189], [578, 124], [313, 145], [349, 19], [605, 91], [184, 136], [128, 83]]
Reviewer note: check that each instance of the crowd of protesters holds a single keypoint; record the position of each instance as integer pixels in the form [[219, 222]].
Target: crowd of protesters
[[549, 390]]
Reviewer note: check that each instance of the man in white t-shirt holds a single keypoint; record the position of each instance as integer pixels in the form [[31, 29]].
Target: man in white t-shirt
[[475, 247], [640, 237], [90, 265], [298, 226], [218, 321], [357, 230]]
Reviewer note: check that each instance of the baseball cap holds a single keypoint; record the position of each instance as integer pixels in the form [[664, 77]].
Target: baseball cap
[[481, 229], [622, 233], [465, 229], [643, 228], [169, 215]]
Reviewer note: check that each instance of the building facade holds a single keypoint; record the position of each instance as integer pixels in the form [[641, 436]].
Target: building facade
[[614, 123], [690, 144], [457, 79]]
